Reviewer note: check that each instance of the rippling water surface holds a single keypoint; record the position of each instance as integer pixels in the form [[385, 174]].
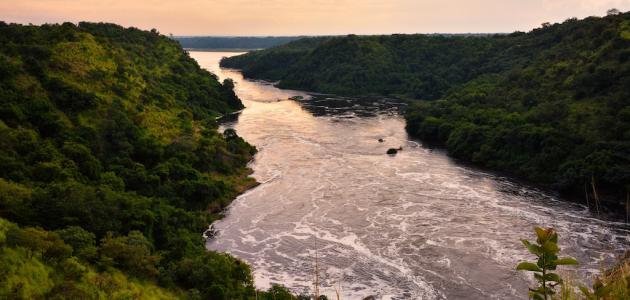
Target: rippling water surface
[[413, 226]]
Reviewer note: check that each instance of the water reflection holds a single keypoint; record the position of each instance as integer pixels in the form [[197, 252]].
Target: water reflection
[[412, 226], [322, 105]]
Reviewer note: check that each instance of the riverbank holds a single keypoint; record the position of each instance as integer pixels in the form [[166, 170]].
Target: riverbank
[[527, 103], [383, 225], [113, 177]]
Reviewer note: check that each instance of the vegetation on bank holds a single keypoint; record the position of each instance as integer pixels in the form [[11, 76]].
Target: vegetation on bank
[[111, 167], [235, 42], [551, 105], [613, 284], [40, 264]]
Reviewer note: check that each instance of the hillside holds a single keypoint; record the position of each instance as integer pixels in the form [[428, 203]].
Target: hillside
[[111, 167], [418, 66], [551, 105], [236, 42]]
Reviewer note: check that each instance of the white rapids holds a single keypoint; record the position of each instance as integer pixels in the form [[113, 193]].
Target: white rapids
[[412, 226]]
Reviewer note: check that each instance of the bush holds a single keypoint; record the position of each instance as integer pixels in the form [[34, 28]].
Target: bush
[[132, 253]]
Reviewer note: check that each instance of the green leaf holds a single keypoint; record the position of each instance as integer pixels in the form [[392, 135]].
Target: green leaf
[[534, 249], [527, 266], [566, 261], [541, 262], [553, 277], [550, 247], [603, 290], [542, 234], [585, 291], [554, 237], [536, 296]]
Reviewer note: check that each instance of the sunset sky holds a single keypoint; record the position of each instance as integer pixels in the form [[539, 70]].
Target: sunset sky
[[309, 17]]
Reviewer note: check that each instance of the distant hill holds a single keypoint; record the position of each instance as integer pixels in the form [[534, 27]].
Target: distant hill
[[551, 105], [244, 42]]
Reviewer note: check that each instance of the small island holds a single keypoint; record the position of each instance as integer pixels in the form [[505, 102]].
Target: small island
[[393, 151]]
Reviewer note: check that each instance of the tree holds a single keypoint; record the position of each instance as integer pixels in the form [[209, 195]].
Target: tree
[[86, 140], [82, 241], [131, 252], [39, 241], [546, 249], [613, 12]]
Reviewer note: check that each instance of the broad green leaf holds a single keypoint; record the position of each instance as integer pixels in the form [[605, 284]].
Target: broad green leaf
[[550, 247], [534, 249], [566, 261], [547, 261], [527, 266], [553, 277]]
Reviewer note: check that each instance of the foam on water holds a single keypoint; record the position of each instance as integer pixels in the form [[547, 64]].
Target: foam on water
[[412, 226]]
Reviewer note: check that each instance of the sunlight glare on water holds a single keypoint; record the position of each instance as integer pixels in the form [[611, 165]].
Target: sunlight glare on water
[[412, 226]]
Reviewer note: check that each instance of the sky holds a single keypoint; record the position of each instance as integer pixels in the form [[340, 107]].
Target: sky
[[309, 17]]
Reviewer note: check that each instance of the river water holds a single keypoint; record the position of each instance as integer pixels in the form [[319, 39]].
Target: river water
[[416, 225]]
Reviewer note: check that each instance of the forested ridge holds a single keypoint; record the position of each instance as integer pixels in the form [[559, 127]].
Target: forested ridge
[[551, 105], [111, 167], [236, 42]]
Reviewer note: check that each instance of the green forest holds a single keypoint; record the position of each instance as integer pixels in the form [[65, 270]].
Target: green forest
[[111, 167], [551, 106], [236, 42]]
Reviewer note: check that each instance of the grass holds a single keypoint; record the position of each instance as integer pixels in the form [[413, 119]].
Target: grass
[[613, 284]]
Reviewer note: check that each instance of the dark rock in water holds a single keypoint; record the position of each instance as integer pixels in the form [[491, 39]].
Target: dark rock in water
[[370, 297], [392, 151], [210, 232], [297, 98], [381, 140]]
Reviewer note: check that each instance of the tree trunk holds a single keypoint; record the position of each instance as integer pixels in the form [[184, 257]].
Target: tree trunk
[[595, 194], [588, 204]]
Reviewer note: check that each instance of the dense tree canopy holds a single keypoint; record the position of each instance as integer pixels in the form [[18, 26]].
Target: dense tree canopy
[[551, 105], [236, 42], [111, 167]]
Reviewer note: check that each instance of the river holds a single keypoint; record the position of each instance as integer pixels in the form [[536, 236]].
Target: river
[[416, 225]]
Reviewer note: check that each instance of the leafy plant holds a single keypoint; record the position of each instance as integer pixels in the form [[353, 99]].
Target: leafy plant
[[612, 284], [546, 249], [599, 290]]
